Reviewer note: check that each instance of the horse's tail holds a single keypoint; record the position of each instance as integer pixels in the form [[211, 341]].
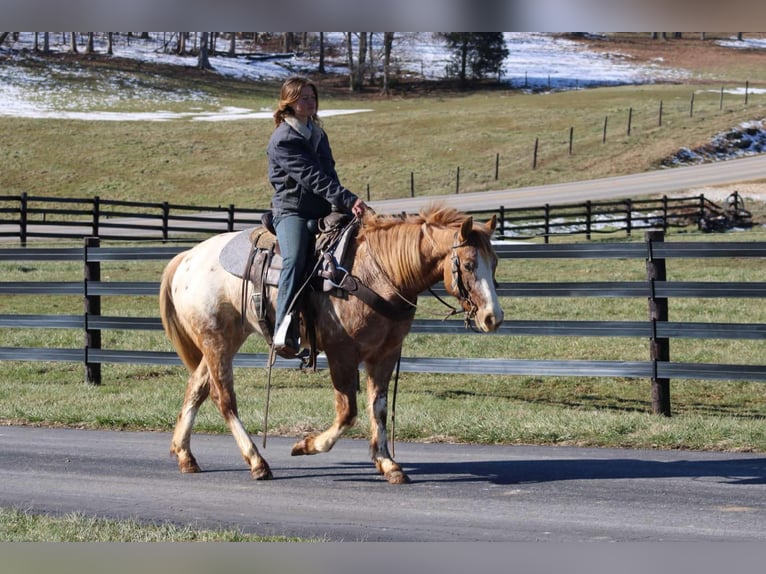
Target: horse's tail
[[187, 350]]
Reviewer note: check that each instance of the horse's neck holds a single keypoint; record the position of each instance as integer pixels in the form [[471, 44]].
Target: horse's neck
[[409, 271]]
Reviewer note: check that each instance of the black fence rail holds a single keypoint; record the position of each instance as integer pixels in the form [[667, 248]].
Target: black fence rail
[[656, 289], [26, 217]]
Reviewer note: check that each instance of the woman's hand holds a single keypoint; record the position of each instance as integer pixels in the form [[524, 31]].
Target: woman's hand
[[359, 208]]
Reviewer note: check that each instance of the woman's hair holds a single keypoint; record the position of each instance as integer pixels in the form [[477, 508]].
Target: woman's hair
[[291, 93]]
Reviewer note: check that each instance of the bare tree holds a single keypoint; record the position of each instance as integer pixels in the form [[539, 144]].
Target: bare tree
[[73, 42], [110, 43], [3, 36], [203, 62], [89, 49], [388, 44], [232, 43], [321, 53]]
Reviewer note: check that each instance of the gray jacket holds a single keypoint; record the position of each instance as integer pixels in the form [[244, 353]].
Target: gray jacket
[[302, 173]]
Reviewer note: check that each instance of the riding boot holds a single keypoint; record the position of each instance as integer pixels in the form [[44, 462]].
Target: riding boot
[[285, 339]]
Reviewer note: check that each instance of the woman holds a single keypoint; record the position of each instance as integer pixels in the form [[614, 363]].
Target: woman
[[306, 187]]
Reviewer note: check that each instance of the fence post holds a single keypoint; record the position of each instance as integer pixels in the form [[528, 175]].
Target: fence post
[[659, 347], [165, 219], [534, 155], [96, 216], [630, 119], [571, 139], [603, 138], [92, 307], [660, 122], [412, 184], [230, 222], [547, 222], [691, 106], [628, 216], [457, 180], [501, 223], [23, 219], [497, 165]]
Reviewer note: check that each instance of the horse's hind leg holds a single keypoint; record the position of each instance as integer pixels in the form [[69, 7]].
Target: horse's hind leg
[[197, 390], [222, 393], [378, 377]]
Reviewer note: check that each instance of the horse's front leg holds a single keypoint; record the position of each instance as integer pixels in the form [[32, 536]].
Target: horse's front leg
[[344, 373], [378, 377]]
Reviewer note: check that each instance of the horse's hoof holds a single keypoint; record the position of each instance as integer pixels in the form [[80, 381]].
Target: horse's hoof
[[189, 467], [261, 473], [300, 448], [397, 477]]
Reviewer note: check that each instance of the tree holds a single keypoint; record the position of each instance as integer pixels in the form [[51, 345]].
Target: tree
[[203, 62], [480, 53], [321, 53], [388, 44], [73, 42]]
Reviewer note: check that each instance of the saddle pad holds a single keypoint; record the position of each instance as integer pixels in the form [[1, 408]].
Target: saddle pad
[[233, 257]]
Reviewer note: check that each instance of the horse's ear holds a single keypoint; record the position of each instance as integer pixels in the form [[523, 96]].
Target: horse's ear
[[466, 228], [492, 224]]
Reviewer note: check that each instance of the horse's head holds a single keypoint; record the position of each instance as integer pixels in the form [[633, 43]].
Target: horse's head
[[471, 274]]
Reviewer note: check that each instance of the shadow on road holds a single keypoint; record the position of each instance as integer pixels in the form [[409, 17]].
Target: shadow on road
[[732, 471]]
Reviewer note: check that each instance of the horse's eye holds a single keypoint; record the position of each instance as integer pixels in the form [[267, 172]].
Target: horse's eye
[[469, 266]]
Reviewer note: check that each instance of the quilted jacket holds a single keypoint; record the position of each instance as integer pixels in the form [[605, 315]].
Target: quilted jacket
[[302, 173]]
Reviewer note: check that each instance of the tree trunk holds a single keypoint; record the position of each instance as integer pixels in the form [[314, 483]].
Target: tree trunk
[[233, 44], [46, 42], [321, 53], [361, 60], [73, 42], [388, 42], [203, 63], [181, 46], [371, 59], [90, 49], [350, 56], [110, 43]]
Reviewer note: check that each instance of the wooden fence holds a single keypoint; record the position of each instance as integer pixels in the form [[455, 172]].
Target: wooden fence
[[26, 217], [656, 329]]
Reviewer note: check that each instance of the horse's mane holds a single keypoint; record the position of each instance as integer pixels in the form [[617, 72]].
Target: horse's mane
[[394, 240]]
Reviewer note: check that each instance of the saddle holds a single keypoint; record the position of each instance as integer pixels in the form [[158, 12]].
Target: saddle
[[253, 255]]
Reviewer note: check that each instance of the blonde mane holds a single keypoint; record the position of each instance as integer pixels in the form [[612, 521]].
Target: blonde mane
[[395, 240]]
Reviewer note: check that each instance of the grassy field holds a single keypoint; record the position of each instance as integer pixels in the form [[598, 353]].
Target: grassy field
[[429, 133]]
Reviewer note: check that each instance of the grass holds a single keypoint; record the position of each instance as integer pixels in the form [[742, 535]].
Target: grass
[[19, 525], [218, 163]]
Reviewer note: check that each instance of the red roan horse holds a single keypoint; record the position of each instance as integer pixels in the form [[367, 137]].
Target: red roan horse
[[396, 257]]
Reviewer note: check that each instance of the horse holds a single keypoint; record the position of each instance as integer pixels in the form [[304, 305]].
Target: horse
[[395, 256]]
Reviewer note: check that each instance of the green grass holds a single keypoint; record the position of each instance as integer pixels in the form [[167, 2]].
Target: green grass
[[18, 525]]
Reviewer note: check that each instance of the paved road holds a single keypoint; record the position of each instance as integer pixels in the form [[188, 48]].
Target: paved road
[[658, 182], [459, 493]]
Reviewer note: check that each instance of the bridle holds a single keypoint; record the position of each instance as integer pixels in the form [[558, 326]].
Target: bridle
[[459, 289]]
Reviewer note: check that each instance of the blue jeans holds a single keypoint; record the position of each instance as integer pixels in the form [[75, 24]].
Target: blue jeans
[[295, 244]]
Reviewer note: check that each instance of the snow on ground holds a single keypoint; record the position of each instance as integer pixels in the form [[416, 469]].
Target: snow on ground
[[536, 61]]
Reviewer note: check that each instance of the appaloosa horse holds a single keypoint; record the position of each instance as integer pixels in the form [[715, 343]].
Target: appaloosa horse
[[396, 257]]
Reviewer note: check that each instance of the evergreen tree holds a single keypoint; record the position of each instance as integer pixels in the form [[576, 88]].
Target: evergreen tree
[[476, 54]]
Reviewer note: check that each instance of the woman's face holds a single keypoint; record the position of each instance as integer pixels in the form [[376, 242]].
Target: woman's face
[[306, 106]]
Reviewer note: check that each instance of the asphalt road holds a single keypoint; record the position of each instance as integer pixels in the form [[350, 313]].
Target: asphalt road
[[459, 493], [658, 182]]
